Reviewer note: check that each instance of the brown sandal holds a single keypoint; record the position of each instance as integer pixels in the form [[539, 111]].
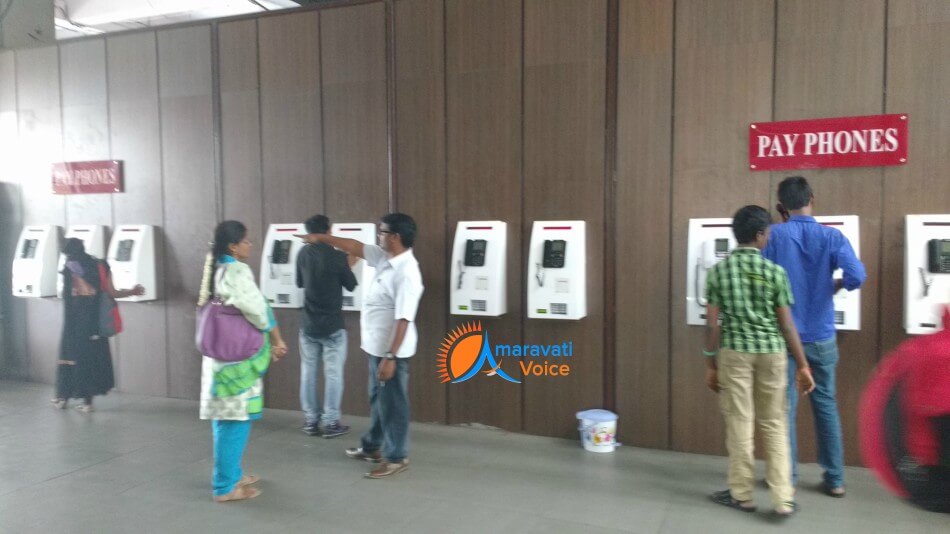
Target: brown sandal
[[247, 480], [239, 493]]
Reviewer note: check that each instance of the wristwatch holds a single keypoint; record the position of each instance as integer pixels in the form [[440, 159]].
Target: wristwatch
[[390, 356]]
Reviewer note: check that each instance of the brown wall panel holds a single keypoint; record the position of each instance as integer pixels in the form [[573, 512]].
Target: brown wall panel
[[356, 159], [82, 67], [809, 83], [292, 156], [723, 81], [41, 144], [918, 83], [644, 123], [241, 130], [483, 130], [135, 136], [420, 171], [185, 86], [564, 106]]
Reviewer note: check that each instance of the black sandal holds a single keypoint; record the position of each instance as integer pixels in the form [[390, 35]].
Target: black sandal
[[725, 498]]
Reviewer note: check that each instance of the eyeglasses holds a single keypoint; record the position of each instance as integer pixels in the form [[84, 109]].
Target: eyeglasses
[[382, 232]]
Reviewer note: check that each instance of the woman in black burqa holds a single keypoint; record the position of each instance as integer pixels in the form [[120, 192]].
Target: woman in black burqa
[[84, 368]]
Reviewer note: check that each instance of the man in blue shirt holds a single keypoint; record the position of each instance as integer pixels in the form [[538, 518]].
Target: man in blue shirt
[[810, 253]]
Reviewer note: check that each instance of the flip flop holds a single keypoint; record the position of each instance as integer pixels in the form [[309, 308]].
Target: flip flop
[[239, 493], [247, 480]]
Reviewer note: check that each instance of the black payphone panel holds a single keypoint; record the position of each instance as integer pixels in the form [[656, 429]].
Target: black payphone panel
[[475, 252], [554, 252]]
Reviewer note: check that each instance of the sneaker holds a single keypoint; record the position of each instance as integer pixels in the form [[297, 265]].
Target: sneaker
[[357, 453], [387, 469], [311, 429], [334, 430]]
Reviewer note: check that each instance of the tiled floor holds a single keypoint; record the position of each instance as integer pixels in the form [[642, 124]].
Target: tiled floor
[[142, 464]]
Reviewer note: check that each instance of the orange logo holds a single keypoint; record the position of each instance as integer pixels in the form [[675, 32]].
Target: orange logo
[[465, 351]]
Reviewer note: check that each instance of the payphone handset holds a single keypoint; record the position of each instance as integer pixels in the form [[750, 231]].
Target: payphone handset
[[938, 256]]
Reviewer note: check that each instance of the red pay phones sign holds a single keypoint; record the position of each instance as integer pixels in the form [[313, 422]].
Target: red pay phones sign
[[871, 141]]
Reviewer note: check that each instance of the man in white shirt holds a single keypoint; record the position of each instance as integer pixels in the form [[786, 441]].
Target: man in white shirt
[[389, 337]]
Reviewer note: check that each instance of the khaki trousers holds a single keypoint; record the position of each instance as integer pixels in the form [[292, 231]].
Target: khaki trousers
[[752, 392]]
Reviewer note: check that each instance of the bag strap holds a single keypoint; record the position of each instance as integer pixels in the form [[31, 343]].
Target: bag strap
[[218, 276], [103, 277]]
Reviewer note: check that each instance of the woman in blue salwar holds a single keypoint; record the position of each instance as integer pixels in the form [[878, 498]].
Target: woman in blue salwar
[[232, 392]]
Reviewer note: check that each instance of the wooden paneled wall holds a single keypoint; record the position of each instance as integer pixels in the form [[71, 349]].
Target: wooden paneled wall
[[629, 114]]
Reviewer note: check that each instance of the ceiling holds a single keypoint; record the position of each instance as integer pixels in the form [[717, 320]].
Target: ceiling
[[77, 18]]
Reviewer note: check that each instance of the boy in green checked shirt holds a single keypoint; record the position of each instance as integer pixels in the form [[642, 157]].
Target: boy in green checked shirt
[[747, 364]]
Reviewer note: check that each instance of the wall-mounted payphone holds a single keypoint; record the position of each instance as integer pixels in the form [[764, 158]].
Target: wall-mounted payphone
[[477, 281], [279, 265], [34, 262], [93, 237], [132, 260], [847, 303], [557, 270], [365, 233], [709, 242], [926, 272]]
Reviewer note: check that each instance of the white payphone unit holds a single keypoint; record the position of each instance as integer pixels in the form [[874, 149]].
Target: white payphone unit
[[709, 242], [93, 237], [926, 272], [34, 263], [132, 260], [279, 265], [365, 233], [557, 270], [477, 282], [847, 303]]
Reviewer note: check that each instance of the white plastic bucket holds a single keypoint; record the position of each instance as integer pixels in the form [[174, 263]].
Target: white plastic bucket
[[598, 430]]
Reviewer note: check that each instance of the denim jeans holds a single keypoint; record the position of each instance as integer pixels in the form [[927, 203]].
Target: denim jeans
[[822, 357], [389, 412], [331, 352]]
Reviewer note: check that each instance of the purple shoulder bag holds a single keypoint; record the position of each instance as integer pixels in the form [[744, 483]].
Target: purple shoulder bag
[[222, 332]]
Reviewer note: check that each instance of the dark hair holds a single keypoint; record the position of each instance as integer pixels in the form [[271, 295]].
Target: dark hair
[[749, 221], [318, 224], [74, 249], [794, 192], [402, 224], [227, 233]]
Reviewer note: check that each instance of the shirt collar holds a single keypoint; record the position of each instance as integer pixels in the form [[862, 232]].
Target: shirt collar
[[745, 250], [802, 218], [396, 261], [225, 258]]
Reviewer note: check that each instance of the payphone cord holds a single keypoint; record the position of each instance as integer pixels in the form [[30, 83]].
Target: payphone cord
[[461, 274], [540, 274], [927, 283]]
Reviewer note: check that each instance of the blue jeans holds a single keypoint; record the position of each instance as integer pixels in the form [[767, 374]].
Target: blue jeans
[[331, 352], [230, 440], [822, 357], [389, 412]]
